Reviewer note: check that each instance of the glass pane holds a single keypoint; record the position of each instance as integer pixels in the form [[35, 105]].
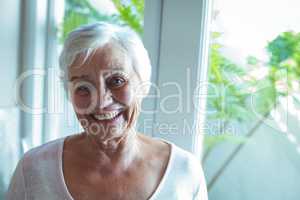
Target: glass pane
[[253, 102]]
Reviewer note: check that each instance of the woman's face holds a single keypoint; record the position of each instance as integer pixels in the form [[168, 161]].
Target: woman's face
[[102, 91]]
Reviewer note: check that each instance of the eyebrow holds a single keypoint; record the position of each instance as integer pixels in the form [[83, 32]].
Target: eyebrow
[[109, 71], [79, 77]]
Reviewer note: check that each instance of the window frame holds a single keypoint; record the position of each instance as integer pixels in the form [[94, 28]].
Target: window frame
[[163, 27]]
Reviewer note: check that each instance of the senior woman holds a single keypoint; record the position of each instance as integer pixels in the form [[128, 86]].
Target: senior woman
[[107, 70]]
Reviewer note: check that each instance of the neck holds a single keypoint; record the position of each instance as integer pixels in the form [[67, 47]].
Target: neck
[[115, 154]]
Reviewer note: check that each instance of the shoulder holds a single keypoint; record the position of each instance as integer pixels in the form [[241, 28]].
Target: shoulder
[[186, 161], [189, 168], [44, 151], [34, 168], [156, 145], [42, 157], [183, 159]]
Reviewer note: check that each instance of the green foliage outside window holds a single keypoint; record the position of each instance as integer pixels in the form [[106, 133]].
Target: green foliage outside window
[[78, 12]]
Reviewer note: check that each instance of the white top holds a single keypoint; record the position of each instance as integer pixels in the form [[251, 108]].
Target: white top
[[39, 176]]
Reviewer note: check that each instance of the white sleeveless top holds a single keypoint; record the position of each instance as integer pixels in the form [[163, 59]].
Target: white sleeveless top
[[39, 176]]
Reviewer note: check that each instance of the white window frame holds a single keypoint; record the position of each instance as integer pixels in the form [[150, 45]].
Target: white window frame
[[38, 58], [33, 53], [172, 28]]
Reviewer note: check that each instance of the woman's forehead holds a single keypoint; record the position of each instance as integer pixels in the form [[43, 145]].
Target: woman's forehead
[[102, 60]]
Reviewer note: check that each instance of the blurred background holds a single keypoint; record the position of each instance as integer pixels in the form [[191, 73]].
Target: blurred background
[[250, 147]]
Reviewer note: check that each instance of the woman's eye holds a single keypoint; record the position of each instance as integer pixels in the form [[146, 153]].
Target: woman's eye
[[82, 91], [116, 82]]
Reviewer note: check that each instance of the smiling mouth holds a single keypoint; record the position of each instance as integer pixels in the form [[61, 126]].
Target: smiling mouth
[[110, 116]]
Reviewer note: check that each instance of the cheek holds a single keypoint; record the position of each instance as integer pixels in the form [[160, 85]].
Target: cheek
[[81, 102], [124, 95]]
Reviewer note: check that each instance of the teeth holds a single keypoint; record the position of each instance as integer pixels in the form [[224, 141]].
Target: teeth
[[106, 116]]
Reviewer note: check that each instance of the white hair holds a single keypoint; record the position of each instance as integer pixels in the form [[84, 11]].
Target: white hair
[[88, 38]]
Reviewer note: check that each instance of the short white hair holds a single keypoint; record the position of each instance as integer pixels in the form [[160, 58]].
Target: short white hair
[[88, 38]]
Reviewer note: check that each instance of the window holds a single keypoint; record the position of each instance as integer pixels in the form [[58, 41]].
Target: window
[[253, 100]]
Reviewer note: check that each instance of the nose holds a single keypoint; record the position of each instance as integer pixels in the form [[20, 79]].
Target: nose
[[104, 97]]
